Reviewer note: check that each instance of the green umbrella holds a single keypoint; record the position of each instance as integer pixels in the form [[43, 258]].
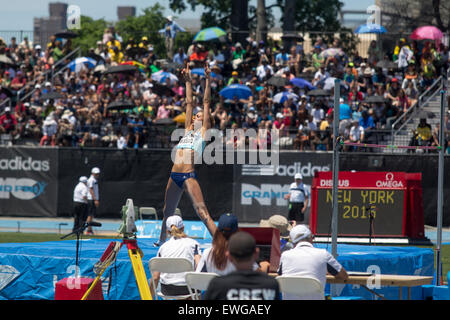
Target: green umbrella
[[209, 34]]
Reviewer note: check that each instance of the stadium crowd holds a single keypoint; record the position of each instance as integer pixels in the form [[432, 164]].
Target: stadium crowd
[[287, 84]]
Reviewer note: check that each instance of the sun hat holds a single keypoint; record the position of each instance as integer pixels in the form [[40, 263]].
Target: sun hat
[[228, 222], [95, 170], [278, 222], [174, 220], [83, 179], [299, 232], [241, 245]]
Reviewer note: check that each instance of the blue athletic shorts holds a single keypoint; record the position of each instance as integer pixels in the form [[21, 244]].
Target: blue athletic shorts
[[180, 178]]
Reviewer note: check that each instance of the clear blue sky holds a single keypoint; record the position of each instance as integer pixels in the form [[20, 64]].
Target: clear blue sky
[[19, 14]]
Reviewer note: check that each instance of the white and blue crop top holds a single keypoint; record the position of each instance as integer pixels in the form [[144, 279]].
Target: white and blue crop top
[[192, 140]]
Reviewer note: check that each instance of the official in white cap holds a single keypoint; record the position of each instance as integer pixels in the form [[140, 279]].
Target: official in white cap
[[305, 260], [298, 197], [80, 200], [93, 196], [179, 245]]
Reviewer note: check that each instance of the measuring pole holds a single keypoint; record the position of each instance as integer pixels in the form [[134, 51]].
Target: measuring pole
[[334, 219], [440, 204]]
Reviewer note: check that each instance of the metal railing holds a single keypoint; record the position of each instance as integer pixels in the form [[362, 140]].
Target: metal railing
[[421, 102], [49, 73]]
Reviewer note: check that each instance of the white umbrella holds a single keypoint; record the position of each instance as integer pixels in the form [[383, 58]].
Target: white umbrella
[[162, 75], [283, 96], [329, 83]]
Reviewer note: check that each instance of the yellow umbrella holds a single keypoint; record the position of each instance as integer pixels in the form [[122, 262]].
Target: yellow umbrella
[[180, 118]]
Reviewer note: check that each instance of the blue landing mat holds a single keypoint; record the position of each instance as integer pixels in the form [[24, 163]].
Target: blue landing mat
[[29, 271]]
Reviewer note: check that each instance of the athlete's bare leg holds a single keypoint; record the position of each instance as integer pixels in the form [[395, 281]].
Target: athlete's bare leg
[[193, 188]]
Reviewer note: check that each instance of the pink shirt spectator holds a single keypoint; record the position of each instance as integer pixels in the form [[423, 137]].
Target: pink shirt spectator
[[163, 113]]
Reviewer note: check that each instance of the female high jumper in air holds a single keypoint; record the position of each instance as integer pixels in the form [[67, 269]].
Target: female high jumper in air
[[183, 175]]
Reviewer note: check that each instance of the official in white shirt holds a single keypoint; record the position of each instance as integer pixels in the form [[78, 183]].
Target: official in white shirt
[[93, 196], [298, 197], [305, 260], [179, 245], [80, 200]]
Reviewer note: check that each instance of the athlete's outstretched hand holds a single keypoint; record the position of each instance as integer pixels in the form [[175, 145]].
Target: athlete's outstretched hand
[[186, 72], [207, 71]]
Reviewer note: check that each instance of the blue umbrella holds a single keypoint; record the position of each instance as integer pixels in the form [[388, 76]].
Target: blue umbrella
[[201, 72], [370, 28], [236, 90], [283, 96], [302, 83], [79, 63]]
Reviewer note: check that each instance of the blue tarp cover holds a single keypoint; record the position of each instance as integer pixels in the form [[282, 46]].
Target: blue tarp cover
[[30, 270]]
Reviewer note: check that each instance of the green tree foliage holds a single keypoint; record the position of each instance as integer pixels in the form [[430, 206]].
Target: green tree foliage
[[317, 15], [91, 31], [147, 24]]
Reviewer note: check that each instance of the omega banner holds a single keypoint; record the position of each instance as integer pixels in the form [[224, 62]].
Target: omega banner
[[28, 182], [259, 190]]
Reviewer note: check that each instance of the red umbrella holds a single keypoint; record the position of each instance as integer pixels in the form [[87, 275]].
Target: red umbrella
[[427, 32]]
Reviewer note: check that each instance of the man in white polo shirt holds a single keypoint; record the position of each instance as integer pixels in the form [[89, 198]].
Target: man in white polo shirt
[[305, 260], [93, 196], [80, 200], [298, 197]]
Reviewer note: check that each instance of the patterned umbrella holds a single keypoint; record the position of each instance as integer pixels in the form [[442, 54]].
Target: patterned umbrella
[[209, 34], [331, 52], [283, 96], [80, 63], [370, 28], [236, 90], [162, 75], [138, 65]]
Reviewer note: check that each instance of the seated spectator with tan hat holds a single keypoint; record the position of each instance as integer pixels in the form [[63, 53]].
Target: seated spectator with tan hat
[[282, 224]]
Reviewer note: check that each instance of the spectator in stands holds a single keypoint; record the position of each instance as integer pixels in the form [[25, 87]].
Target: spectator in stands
[[422, 136], [8, 123], [345, 114], [305, 260]]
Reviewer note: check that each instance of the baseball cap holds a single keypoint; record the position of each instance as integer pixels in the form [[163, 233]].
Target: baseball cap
[[95, 170], [83, 179], [174, 220], [299, 232], [278, 222], [241, 245], [298, 176], [228, 222], [7, 109]]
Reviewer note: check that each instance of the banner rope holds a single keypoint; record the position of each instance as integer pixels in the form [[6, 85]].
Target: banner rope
[[388, 146]]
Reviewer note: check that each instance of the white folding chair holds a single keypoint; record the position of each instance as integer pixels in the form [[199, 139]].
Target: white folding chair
[[198, 281], [148, 212], [169, 265], [300, 286]]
